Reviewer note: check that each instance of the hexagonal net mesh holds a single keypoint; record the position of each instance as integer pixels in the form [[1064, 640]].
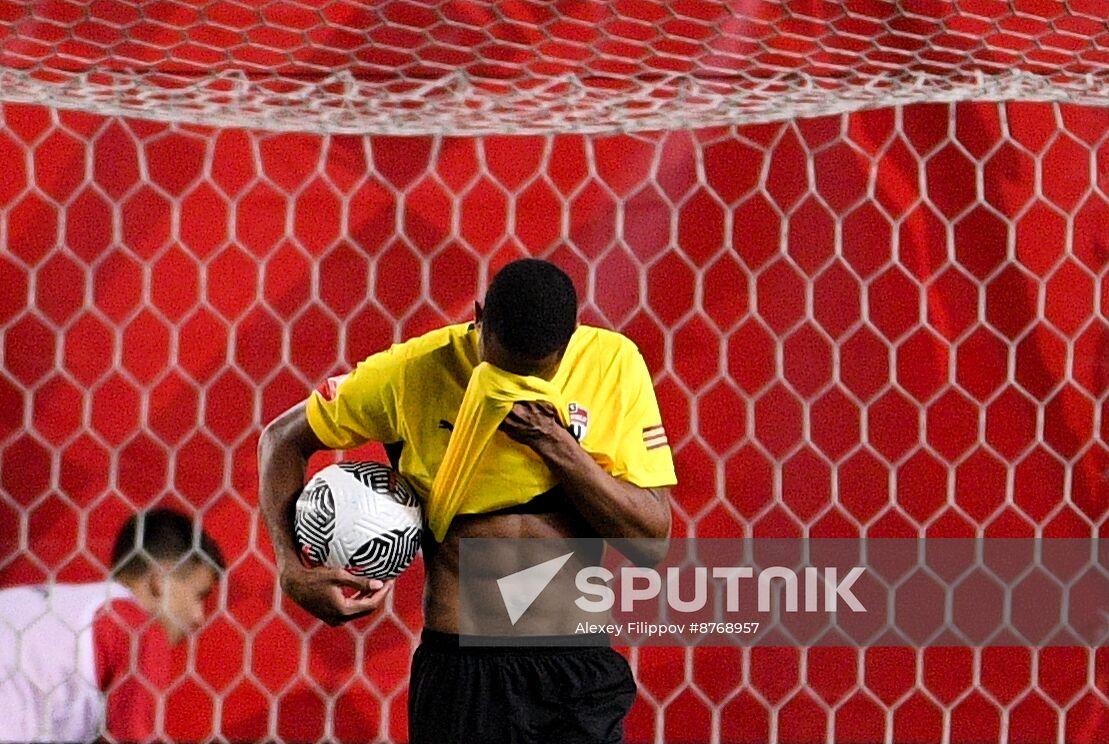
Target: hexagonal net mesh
[[889, 322], [458, 66]]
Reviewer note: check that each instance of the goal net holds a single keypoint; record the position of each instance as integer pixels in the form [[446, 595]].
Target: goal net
[[862, 246], [478, 68]]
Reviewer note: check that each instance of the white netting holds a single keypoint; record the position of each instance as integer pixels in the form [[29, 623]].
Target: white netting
[[523, 67], [888, 322]]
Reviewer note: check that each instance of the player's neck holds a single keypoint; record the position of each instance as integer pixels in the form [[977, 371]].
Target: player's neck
[[142, 590]]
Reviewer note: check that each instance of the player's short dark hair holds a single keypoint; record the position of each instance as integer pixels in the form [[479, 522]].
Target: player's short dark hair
[[162, 535], [531, 307]]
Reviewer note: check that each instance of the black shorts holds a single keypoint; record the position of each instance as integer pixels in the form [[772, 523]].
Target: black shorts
[[513, 695]]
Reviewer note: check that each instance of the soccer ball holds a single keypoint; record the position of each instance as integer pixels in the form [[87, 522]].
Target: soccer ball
[[358, 516]]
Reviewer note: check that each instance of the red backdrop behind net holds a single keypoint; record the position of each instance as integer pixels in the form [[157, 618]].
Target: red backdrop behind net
[[882, 323]]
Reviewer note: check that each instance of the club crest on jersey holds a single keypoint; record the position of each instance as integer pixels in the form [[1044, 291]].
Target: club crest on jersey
[[579, 421]]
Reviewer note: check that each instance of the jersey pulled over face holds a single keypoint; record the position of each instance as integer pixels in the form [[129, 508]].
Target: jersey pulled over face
[[411, 394]]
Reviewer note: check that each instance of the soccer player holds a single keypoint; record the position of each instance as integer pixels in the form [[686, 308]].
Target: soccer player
[[81, 660], [612, 469]]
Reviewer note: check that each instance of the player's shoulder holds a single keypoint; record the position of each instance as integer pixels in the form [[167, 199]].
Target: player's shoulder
[[451, 339], [603, 338], [445, 347], [126, 611], [65, 600], [604, 344], [120, 605]]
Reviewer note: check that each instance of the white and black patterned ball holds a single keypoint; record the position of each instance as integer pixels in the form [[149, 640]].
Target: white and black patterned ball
[[358, 516]]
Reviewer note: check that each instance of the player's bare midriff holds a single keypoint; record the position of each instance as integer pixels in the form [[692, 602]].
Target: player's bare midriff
[[488, 614]]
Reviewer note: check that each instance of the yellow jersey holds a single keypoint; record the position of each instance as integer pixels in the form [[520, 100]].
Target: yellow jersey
[[410, 395]]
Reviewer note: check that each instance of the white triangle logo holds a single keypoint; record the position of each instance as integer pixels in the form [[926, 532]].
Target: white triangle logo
[[519, 590]]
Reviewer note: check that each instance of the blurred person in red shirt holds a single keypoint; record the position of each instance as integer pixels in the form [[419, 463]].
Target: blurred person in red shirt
[[78, 661]]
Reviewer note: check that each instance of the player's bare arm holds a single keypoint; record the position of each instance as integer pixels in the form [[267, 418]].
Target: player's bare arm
[[614, 508], [330, 594]]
